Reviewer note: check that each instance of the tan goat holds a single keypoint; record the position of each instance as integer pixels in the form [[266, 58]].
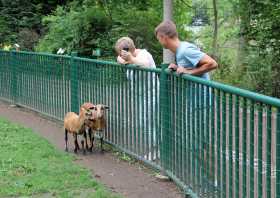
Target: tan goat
[[97, 122], [73, 124]]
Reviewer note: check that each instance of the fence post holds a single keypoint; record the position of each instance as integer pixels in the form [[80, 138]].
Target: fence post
[[13, 68], [74, 84], [165, 112]]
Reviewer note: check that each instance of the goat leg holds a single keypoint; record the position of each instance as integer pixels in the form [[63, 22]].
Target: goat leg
[[76, 143], [101, 142], [90, 139], [83, 147], [66, 140], [85, 137]]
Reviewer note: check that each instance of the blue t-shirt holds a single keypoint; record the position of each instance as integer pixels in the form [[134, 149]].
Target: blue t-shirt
[[188, 55]]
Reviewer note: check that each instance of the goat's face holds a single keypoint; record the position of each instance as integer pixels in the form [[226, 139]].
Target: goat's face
[[86, 113], [88, 108], [100, 110]]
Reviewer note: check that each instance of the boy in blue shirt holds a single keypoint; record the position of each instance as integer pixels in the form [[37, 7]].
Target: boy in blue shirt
[[189, 59]]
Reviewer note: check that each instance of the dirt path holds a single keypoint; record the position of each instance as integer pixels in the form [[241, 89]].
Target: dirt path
[[129, 180]]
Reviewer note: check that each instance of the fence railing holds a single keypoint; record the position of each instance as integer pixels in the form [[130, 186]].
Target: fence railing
[[212, 139]]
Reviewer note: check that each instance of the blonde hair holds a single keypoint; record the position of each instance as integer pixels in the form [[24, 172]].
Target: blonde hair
[[124, 42], [167, 28]]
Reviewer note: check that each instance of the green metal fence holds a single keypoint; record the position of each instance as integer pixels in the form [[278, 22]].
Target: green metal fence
[[212, 139]]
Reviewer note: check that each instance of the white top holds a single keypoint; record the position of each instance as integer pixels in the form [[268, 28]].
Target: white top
[[143, 56]]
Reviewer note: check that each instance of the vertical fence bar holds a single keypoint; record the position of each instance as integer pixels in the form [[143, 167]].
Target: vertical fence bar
[[172, 120], [230, 166], [236, 146], [106, 94], [134, 112], [122, 113], [189, 128], [179, 128], [252, 164], [142, 110], [199, 135], [127, 113], [157, 118], [224, 136], [260, 150], [207, 131], [268, 152], [139, 127], [73, 84], [219, 142], [203, 107], [152, 117], [173, 124], [193, 134], [14, 77], [185, 151], [213, 149], [147, 117], [165, 119], [244, 148], [114, 95], [118, 99]]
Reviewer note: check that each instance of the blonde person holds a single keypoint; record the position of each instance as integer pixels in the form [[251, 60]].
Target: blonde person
[[129, 54]]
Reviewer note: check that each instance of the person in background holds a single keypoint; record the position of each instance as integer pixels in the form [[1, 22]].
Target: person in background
[[129, 54], [148, 96], [17, 47]]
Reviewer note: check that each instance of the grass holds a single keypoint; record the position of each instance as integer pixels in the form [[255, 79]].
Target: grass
[[31, 166]]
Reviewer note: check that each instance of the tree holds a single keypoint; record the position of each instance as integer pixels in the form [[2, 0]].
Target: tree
[[261, 30], [168, 56], [215, 34], [18, 17], [98, 24]]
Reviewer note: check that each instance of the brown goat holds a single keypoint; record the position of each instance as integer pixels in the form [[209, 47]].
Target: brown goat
[[73, 124], [97, 122]]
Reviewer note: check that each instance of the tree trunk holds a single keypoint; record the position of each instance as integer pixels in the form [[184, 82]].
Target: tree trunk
[[215, 35], [244, 25], [168, 56]]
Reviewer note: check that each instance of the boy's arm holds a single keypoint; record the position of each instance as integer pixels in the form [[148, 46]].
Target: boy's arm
[[206, 64]]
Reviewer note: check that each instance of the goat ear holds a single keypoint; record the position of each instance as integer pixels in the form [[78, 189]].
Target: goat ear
[[106, 107]]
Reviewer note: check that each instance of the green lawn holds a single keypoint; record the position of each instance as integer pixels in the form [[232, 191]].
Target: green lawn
[[31, 166]]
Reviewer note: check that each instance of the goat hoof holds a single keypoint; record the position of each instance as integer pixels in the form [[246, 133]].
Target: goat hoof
[[90, 149]]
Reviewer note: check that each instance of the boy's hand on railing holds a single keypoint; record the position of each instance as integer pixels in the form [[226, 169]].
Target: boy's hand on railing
[[173, 67], [183, 70]]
